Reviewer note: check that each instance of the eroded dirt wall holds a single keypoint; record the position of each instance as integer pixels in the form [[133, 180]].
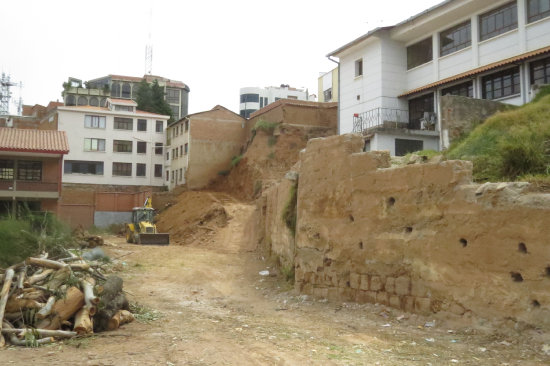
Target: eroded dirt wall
[[276, 237], [422, 237]]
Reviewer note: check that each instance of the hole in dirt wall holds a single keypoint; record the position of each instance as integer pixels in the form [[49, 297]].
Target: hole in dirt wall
[[516, 276]]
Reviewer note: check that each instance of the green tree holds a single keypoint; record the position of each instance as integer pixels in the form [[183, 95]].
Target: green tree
[[150, 98], [144, 97]]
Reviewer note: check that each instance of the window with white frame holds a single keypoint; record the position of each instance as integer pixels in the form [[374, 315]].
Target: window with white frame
[[93, 144], [141, 170], [498, 21], [94, 121], [537, 9], [158, 171], [122, 169], [540, 71], [122, 146], [501, 84], [455, 38], [419, 53], [359, 67]]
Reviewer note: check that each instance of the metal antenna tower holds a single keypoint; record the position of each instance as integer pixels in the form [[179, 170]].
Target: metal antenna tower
[[149, 47], [5, 94], [19, 102]]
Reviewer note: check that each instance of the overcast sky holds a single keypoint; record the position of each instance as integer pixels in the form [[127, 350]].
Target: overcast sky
[[214, 46]]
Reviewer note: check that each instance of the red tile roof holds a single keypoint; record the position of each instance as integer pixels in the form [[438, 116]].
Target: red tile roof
[[479, 70], [37, 141]]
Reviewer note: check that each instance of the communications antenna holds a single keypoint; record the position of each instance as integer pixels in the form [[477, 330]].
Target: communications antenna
[[5, 93], [149, 46]]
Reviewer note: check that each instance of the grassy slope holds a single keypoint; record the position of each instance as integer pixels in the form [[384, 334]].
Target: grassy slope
[[510, 144]]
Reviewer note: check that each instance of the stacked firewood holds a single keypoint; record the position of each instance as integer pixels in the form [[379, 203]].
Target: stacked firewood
[[42, 300]]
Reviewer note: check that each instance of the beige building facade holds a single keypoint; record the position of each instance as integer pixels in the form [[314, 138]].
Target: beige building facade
[[202, 146], [327, 90]]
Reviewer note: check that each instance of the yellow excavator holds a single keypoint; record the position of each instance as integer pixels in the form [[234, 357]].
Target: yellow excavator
[[142, 229]]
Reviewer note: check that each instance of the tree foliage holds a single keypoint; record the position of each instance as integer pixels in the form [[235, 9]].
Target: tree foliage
[[150, 98]]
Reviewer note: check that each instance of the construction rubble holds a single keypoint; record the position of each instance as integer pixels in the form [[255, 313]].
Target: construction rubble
[[44, 300]]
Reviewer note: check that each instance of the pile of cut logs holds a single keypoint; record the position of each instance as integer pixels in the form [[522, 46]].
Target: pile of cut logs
[[42, 300]]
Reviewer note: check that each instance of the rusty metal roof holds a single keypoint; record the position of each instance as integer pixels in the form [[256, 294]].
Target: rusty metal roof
[[479, 70], [37, 141]]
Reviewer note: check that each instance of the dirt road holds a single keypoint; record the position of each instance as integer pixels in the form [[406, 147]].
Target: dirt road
[[215, 309]]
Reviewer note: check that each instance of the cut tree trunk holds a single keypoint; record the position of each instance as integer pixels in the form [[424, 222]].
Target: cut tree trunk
[[82, 322], [121, 317], [113, 300], [63, 309], [3, 300], [16, 304], [41, 332], [36, 278], [46, 309], [46, 263]]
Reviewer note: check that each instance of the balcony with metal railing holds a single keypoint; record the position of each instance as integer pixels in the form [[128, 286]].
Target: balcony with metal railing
[[389, 118]]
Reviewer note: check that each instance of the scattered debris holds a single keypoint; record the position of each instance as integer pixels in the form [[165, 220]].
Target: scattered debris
[[429, 324], [264, 273]]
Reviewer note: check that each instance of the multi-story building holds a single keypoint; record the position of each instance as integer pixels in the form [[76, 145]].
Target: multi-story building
[[392, 78], [113, 145], [253, 99], [30, 168], [203, 144], [96, 91], [328, 86]]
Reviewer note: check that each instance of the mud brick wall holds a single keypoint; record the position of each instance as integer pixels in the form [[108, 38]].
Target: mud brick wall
[[422, 238], [274, 236]]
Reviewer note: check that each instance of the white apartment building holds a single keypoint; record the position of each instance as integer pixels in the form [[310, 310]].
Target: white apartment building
[[392, 78], [114, 145], [253, 99]]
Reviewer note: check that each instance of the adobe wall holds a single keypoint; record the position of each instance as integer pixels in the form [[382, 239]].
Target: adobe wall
[[275, 237], [304, 113], [213, 143], [421, 238]]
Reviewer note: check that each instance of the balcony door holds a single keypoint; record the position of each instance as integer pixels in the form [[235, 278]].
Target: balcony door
[[417, 107]]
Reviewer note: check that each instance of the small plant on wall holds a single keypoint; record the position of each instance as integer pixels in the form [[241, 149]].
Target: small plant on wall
[[290, 214], [267, 127]]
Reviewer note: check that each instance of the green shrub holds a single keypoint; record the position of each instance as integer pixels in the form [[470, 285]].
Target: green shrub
[[289, 214], [30, 234], [223, 173], [267, 127], [271, 155], [236, 160]]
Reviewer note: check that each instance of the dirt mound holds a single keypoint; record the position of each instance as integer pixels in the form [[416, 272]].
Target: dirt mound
[[195, 216], [268, 156]]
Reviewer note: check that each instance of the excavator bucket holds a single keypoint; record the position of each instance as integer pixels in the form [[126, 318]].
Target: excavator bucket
[[154, 239]]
